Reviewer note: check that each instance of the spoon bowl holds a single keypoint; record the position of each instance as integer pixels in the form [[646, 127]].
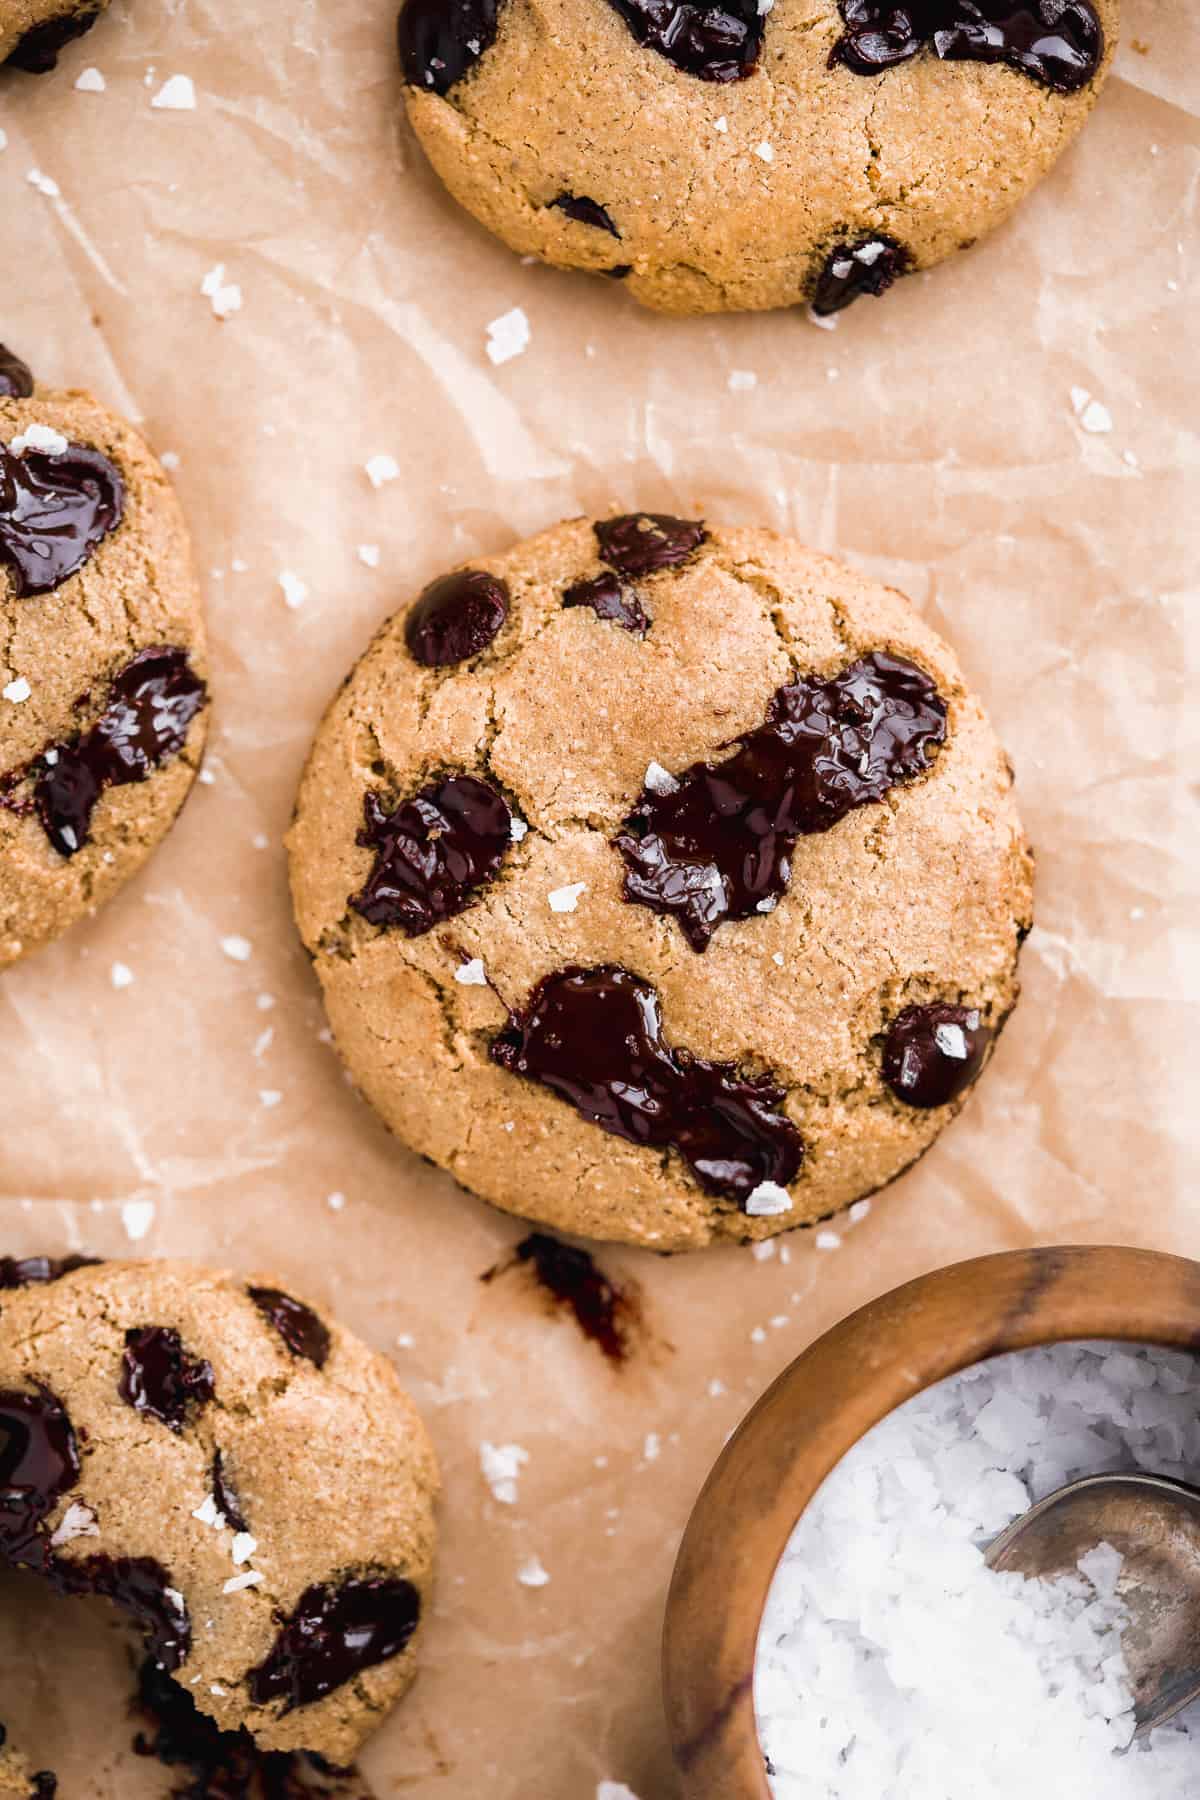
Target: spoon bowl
[[1154, 1524]]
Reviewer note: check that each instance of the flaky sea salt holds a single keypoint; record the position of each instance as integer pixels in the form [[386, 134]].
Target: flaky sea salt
[[659, 780], [238, 949], [39, 437], [471, 974], [508, 336], [78, 1521], [177, 94], [137, 1216], [121, 975], [893, 1663], [18, 691], [1092, 414], [566, 899], [236, 1583], [381, 469], [501, 1465], [369, 555], [531, 1574], [243, 1546], [767, 1200], [225, 297], [294, 591], [90, 81]]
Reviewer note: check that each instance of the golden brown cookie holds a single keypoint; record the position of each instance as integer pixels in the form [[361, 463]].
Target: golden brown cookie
[[744, 155], [248, 1481], [32, 32], [663, 881], [17, 1780], [103, 696]]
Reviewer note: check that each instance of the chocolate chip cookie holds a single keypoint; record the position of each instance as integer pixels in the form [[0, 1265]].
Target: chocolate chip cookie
[[32, 32], [664, 881], [716, 157], [242, 1478], [103, 692]]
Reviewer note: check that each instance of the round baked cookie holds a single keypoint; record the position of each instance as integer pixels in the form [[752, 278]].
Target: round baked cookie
[[717, 158], [32, 32], [248, 1481], [663, 880], [103, 700]]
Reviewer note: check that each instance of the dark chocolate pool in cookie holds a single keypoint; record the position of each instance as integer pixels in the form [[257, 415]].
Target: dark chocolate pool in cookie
[[103, 688], [705, 150], [159, 1429], [689, 909]]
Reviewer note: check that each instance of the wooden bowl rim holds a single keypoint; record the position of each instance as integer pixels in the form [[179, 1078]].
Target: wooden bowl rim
[[819, 1407]]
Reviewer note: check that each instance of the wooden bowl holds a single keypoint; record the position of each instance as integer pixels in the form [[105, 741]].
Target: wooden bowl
[[818, 1408]]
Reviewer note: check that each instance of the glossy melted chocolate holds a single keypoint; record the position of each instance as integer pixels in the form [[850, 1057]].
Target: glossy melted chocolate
[[570, 1276], [440, 40], [151, 704], [54, 510], [298, 1325], [160, 1378], [26, 1271], [609, 599], [455, 618], [586, 212], [639, 543], [852, 270], [932, 1054], [595, 1038], [39, 1461], [1059, 43], [333, 1634], [720, 845], [432, 853], [717, 40], [16, 377]]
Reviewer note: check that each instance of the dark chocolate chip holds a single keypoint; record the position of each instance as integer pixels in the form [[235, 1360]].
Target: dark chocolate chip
[[604, 1312], [638, 543], [26, 1271], [39, 1461], [618, 272], [54, 510], [45, 1785], [16, 377], [160, 1378], [298, 1325], [225, 1494], [455, 618], [718, 845], [141, 1587], [586, 212], [1059, 43], [595, 1038], [609, 599], [932, 1054], [717, 40], [852, 270], [432, 853], [37, 52], [151, 703], [440, 40], [333, 1634]]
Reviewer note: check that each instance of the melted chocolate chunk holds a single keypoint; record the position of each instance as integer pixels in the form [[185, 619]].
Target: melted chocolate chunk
[[298, 1325], [455, 618], [610, 599], [39, 1460], [932, 1054], [54, 510], [37, 52], [432, 853], [160, 1378], [228, 1504], [141, 1587], [604, 1312], [151, 704], [852, 270], [45, 1786], [440, 40], [586, 212], [595, 1038], [717, 40], [638, 543], [26, 1271], [718, 846], [333, 1634], [16, 377], [226, 1765], [1059, 43]]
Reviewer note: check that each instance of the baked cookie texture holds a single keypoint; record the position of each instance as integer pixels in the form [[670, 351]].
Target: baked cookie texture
[[493, 931], [244, 1477], [773, 158], [32, 32], [18, 1781], [103, 696]]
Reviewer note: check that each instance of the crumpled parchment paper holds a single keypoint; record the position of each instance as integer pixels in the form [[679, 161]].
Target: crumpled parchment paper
[[944, 438]]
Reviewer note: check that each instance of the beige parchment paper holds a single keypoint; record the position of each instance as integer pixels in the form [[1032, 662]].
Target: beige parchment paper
[[934, 439]]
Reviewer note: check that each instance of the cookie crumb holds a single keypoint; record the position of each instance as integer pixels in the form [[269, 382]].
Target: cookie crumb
[[177, 94], [471, 974], [508, 336], [90, 81], [18, 690], [531, 1574], [566, 899], [767, 1200]]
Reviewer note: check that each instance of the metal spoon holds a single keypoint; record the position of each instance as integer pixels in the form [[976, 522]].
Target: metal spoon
[[1155, 1524]]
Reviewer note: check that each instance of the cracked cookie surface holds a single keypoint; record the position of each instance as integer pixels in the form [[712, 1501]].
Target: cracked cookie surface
[[575, 142], [245, 1478], [103, 696], [884, 897]]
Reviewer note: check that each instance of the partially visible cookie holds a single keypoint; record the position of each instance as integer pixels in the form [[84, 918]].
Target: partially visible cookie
[[748, 154], [245, 1479], [663, 880], [32, 32], [17, 1780], [103, 693]]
